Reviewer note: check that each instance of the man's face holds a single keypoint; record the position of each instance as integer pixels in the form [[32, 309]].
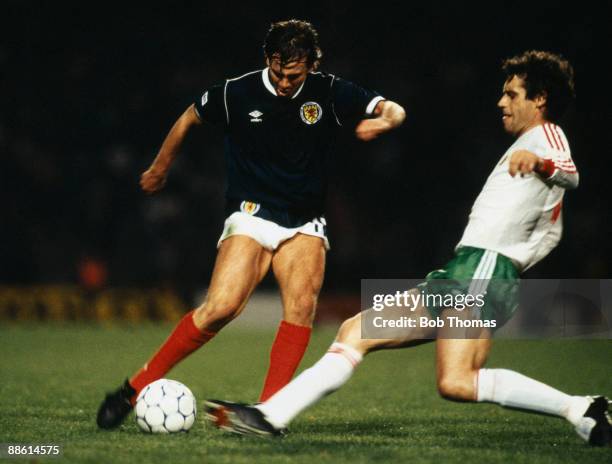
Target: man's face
[[288, 77], [519, 114]]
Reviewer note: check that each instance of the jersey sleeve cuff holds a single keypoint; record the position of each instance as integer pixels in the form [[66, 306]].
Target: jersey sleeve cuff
[[370, 108], [547, 169], [197, 113]]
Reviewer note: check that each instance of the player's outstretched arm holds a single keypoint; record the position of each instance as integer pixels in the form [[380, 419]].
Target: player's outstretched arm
[[525, 162], [387, 116], [154, 178]]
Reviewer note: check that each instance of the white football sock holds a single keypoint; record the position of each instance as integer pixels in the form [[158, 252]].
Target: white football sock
[[332, 371], [514, 390]]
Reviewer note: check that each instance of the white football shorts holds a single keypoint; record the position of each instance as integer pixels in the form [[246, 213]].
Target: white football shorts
[[267, 233]]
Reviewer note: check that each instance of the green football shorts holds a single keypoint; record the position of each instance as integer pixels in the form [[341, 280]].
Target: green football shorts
[[475, 271]]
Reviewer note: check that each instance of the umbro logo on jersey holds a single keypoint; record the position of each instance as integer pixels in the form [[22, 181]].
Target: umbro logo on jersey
[[311, 112], [256, 116]]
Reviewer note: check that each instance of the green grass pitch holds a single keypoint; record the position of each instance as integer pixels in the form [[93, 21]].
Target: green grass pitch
[[54, 376]]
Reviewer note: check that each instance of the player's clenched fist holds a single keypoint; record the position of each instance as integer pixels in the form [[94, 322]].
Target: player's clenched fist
[[524, 162], [388, 115], [152, 180], [369, 129]]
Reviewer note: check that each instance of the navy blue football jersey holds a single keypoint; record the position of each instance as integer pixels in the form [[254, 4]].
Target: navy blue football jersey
[[277, 148]]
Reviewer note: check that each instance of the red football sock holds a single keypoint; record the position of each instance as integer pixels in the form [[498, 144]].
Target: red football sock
[[287, 351], [184, 340]]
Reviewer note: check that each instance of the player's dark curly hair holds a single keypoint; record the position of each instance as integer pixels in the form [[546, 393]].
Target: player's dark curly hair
[[293, 40], [546, 74]]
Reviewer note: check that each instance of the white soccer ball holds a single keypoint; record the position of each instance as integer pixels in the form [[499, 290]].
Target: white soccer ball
[[165, 406]]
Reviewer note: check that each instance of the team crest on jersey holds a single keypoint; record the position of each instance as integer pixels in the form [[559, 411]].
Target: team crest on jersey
[[249, 207], [311, 112]]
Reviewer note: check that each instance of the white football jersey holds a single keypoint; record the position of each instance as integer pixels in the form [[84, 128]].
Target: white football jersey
[[520, 217]]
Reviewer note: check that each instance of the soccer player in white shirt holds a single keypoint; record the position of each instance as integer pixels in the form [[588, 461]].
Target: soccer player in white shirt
[[514, 223]]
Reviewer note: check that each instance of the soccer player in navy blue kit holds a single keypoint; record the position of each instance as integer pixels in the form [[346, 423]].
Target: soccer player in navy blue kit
[[279, 125]]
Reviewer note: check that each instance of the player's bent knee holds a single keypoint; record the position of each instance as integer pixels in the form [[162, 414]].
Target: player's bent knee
[[448, 388], [456, 388]]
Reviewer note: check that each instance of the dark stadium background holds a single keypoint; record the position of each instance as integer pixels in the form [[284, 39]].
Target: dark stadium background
[[88, 91]]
